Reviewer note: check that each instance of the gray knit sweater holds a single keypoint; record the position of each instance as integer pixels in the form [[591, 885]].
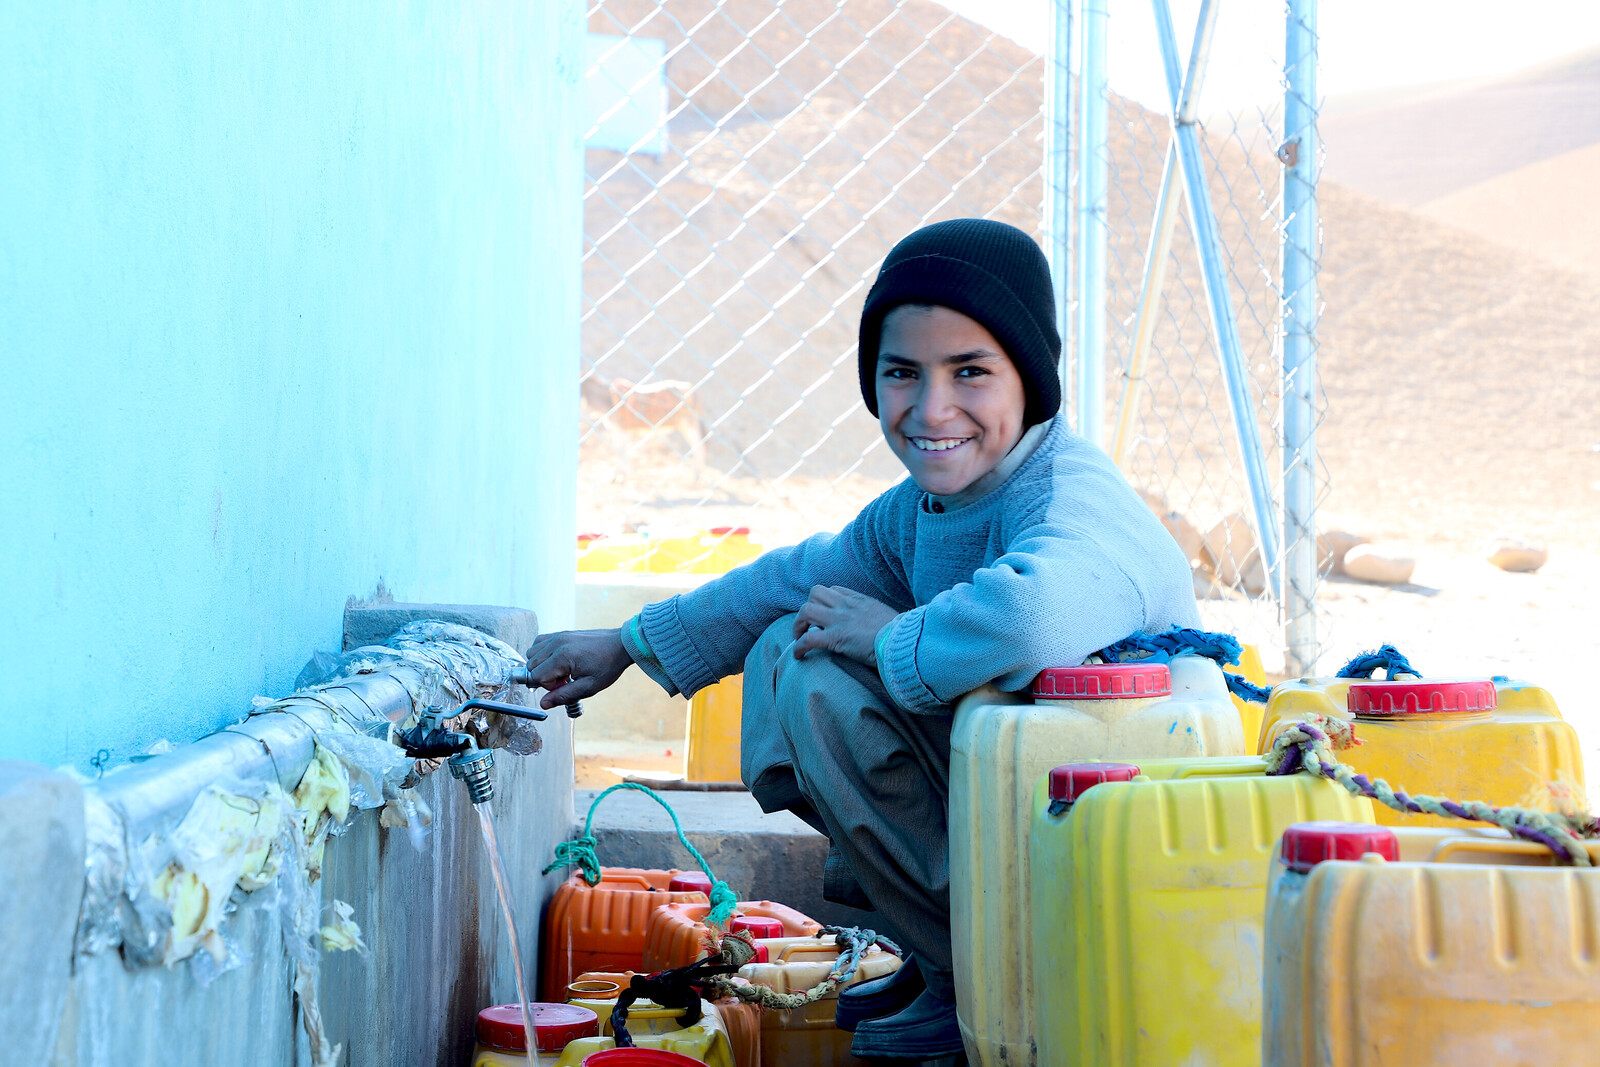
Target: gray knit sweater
[[1058, 561]]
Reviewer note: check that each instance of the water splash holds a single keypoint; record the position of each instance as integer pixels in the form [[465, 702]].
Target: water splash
[[502, 885]]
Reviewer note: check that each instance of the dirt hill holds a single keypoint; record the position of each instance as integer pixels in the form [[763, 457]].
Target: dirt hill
[[1461, 378]]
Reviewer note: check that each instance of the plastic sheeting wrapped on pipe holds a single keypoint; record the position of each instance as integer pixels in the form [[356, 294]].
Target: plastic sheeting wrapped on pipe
[[131, 811]]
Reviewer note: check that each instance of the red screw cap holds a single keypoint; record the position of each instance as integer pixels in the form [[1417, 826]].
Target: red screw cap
[[730, 531], [1416, 698], [555, 1025], [757, 925], [1104, 681], [1306, 844], [690, 882], [1069, 781], [638, 1057]]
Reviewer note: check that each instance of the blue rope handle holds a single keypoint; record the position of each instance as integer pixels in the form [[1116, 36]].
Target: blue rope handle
[[580, 853], [1222, 649], [1391, 659]]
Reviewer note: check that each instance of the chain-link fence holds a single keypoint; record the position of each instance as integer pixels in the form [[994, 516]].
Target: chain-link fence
[[1169, 418], [750, 163]]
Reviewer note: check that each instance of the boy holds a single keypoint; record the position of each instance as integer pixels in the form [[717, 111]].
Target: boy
[[1014, 546]]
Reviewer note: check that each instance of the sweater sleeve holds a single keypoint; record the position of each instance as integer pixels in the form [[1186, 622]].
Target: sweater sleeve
[[699, 637], [1072, 581], [1048, 601]]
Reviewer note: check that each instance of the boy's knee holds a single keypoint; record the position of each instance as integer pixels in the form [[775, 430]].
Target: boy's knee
[[809, 689], [772, 647]]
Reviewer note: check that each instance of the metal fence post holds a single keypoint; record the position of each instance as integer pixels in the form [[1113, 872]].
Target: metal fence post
[[1208, 245], [1058, 164], [1093, 232], [1298, 315]]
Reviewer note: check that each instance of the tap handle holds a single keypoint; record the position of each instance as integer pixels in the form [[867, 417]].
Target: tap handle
[[520, 676], [505, 709]]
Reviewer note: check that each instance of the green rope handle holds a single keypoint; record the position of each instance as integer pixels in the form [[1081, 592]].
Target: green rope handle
[[580, 853]]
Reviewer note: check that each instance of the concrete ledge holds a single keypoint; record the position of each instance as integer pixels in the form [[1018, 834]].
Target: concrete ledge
[[763, 857]]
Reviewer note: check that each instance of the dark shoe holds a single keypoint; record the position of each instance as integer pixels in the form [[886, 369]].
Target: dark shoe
[[879, 997], [925, 1030]]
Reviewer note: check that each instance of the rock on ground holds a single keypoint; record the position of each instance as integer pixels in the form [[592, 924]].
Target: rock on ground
[[1231, 553], [1381, 564], [1513, 554], [1332, 547]]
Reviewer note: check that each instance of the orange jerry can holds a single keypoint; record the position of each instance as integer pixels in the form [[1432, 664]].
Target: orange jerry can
[[676, 935], [602, 927]]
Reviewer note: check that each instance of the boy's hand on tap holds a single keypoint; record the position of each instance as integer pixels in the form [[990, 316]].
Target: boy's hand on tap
[[574, 664]]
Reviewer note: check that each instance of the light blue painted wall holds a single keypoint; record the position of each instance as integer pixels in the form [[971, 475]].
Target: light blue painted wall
[[288, 307]]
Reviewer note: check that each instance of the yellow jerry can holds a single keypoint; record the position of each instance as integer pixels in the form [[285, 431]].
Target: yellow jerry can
[[1148, 894], [806, 1037], [652, 1026], [714, 551], [1000, 745], [1428, 948], [1249, 667], [1499, 741], [714, 730]]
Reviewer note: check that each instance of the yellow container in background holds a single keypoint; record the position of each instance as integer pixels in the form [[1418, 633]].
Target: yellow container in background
[[807, 1037], [714, 551], [1249, 667], [714, 730], [1148, 896], [1505, 746], [1473, 949], [1000, 746], [652, 1026]]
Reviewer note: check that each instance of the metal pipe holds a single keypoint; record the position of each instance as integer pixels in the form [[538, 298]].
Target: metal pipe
[[270, 744], [1058, 164], [1093, 165], [1298, 326], [1208, 244], [1154, 281]]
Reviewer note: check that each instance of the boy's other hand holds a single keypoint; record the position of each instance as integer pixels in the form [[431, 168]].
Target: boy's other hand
[[841, 621], [574, 664]]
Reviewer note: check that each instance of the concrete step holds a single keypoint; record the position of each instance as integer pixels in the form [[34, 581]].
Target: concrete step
[[763, 857]]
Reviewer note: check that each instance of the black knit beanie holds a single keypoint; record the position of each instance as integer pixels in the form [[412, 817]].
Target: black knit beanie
[[988, 271]]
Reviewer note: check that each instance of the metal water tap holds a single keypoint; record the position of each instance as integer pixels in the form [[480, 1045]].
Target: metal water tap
[[468, 763], [522, 677]]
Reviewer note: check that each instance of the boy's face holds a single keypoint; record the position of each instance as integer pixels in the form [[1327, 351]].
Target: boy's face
[[950, 401]]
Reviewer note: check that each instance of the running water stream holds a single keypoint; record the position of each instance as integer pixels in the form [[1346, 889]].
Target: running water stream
[[503, 886]]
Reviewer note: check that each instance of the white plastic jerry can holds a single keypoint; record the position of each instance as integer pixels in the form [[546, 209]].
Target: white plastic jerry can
[[1000, 746]]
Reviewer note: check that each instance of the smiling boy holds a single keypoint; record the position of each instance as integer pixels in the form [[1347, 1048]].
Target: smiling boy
[[1014, 546]]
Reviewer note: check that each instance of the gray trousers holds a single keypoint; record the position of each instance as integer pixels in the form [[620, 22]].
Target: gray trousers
[[822, 738]]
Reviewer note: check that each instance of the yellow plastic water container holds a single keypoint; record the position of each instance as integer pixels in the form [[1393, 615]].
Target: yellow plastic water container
[[714, 551], [653, 1027], [1498, 741], [1250, 669], [714, 728], [806, 1037], [1001, 744], [1149, 882], [1429, 948]]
